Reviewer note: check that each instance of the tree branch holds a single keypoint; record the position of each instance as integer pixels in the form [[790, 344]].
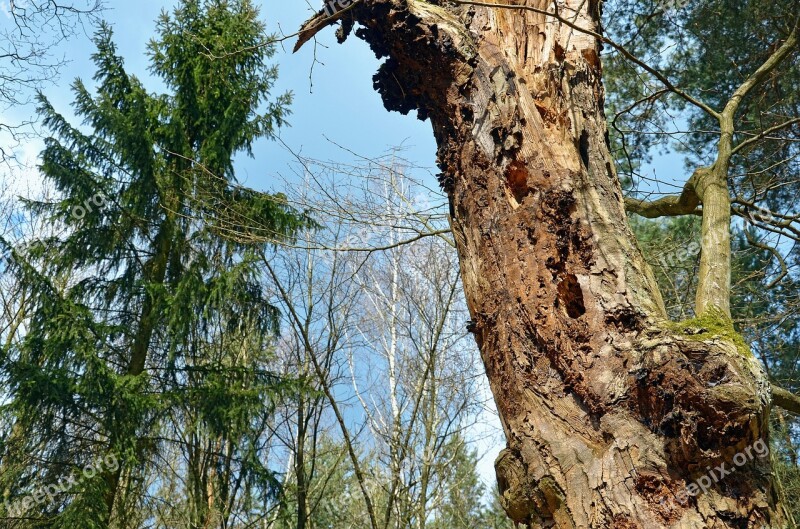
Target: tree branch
[[785, 399], [672, 206], [763, 134], [759, 75], [320, 372], [775, 253], [316, 23]]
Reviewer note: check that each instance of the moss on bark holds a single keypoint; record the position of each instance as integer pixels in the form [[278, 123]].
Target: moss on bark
[[713, 323]]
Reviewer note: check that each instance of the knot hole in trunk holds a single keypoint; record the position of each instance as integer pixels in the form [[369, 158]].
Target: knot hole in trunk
[[571, 296], [517, 178]]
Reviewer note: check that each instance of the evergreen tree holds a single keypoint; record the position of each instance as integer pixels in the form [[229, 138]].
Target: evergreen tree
[[166, 322], [494, 517], [462, 507]]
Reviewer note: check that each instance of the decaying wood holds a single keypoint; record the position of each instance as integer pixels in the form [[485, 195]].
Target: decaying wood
[[609, 411], [318, 22]]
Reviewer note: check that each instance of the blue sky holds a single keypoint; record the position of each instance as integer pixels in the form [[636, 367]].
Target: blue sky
[[332, 85], [334, 97]]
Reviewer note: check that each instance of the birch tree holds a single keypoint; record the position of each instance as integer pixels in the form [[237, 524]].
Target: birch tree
[[373, 314]]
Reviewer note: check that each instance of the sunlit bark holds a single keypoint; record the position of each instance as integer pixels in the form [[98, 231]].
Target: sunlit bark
[[609, 412]]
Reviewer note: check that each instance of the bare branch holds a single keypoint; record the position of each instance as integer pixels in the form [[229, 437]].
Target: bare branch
[[671, 206], [763, 134], [775, 253], [316, 23], [360, 475]]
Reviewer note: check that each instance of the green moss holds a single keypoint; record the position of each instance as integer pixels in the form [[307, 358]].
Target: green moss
[[713, 323], [553, 497]]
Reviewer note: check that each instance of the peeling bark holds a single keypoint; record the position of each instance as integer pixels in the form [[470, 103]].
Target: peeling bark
[[609, 412]]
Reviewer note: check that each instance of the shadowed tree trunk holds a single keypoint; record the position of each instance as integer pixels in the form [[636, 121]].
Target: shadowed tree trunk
[[609, 411]]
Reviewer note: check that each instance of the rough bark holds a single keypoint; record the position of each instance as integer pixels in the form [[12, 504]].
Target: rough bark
[[609, 411]]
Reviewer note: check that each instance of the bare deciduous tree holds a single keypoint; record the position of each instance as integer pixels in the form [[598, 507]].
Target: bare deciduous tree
[[375, 323], [31, 32]]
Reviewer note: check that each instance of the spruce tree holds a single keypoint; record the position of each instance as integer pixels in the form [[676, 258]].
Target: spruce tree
[[165, 324]]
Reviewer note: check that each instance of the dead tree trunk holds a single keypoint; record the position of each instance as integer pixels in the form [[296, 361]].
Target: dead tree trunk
[[610, 413]]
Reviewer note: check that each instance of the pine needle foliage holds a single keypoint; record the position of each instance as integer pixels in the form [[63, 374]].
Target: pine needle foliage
[[150, 335]]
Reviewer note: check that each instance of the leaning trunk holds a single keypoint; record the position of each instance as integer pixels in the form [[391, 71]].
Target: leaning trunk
[[612, 415]]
